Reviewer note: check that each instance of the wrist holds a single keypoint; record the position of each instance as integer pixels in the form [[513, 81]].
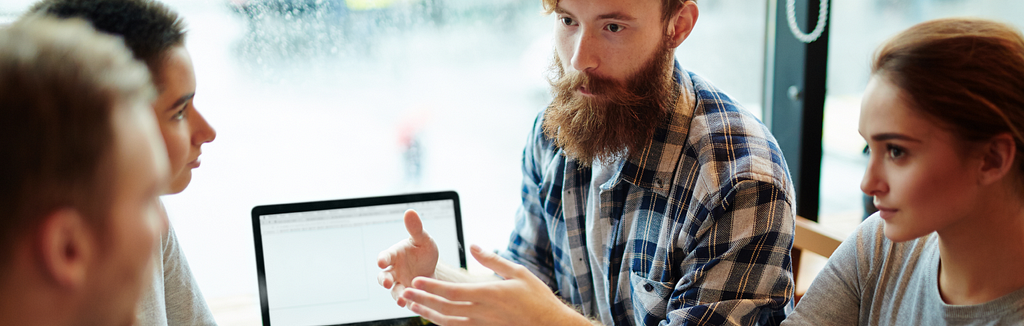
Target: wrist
[[573, 317]]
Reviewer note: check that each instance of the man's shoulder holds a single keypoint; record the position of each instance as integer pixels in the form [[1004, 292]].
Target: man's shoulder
[[543, 147], [717, 112], [542, 159], [728, 143]]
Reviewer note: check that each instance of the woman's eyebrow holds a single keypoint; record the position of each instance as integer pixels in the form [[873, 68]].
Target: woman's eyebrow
[[893, 136], [181, 100]]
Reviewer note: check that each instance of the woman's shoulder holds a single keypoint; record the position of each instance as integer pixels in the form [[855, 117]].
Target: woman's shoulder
[[864, 278], [875, 251]]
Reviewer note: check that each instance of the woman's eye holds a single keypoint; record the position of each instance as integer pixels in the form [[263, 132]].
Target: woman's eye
[[180, 114], [614, 28], [568, 21], [895, 152]]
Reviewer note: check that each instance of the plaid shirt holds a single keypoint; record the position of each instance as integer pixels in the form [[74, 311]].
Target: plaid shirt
[[700, 222]]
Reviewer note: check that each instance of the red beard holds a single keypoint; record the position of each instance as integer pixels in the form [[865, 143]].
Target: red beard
[[620, 118]]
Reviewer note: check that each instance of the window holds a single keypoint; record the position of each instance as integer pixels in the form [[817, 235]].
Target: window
[[328, 99], [727, 48], [316, 102], [322, 103], [11, 9]]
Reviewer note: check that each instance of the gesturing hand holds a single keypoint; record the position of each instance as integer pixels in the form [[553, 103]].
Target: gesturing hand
[[407, 259], [520, 299]]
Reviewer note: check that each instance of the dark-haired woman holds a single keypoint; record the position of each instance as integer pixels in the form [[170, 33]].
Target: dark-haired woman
[[156, 36]]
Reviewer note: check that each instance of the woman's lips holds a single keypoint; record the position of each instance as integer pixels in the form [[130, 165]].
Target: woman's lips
[[886, 212], [194, 164]]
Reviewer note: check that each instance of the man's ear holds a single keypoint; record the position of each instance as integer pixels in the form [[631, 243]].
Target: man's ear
[[66, 247], [681, 23], [998, 157]]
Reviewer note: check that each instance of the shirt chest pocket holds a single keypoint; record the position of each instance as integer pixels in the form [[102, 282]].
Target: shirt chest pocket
[[650, 297]]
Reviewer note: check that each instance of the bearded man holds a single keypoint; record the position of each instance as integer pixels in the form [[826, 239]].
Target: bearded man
[[649, 196]]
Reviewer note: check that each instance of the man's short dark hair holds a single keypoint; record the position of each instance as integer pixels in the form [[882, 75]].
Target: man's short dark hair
[[60, 84], [148, 27]]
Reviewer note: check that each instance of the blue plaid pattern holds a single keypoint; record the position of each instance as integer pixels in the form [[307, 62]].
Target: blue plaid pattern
[[701, 222]]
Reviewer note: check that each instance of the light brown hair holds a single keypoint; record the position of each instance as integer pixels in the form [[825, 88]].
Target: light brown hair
[[60, 84], [668, 7], [966, 74]]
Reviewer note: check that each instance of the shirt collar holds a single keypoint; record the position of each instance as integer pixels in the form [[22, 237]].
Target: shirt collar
[[654, 166]]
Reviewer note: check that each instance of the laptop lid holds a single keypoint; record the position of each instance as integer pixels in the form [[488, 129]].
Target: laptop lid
[[316, 262]]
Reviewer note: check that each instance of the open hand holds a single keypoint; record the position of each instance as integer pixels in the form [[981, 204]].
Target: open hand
[[407, 259], [520, 299]]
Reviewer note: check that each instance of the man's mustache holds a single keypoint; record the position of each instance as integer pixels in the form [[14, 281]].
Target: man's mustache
[[606, 90], [597, 85]]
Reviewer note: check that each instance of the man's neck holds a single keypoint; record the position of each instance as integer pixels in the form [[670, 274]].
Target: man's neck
[[27, 298], [18, 311]]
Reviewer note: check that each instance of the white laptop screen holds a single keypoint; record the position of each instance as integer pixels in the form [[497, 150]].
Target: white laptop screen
[[320, 266]]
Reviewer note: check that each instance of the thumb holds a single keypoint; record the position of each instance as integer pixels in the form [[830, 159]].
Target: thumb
[[415, 228], [501, 266]]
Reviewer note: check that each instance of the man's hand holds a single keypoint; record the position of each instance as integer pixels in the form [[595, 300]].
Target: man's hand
[[520, 299], [407, 259]]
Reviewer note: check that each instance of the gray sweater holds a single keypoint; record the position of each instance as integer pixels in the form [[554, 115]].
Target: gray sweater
[[173, 298], [870, 280]]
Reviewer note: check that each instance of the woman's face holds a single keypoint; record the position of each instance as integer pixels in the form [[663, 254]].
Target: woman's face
[[918, 173], [184, 129]]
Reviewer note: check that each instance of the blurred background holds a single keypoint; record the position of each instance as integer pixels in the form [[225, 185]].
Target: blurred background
[[329, 99]]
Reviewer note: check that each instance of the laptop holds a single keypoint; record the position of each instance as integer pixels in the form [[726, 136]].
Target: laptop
[[316, 262]]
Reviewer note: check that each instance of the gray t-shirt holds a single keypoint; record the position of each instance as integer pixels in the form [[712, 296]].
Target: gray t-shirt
[[174, 297], [870, 280]]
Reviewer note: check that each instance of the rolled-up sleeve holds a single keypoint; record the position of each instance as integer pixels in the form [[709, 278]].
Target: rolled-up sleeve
[[737, 270]]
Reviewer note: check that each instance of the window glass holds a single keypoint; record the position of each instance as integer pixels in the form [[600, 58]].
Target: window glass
[[338, 99], [727, 48], [857, 28], [11, 9], [329, 99]]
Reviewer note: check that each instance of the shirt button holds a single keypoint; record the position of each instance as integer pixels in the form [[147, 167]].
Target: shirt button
[[648, 287]]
